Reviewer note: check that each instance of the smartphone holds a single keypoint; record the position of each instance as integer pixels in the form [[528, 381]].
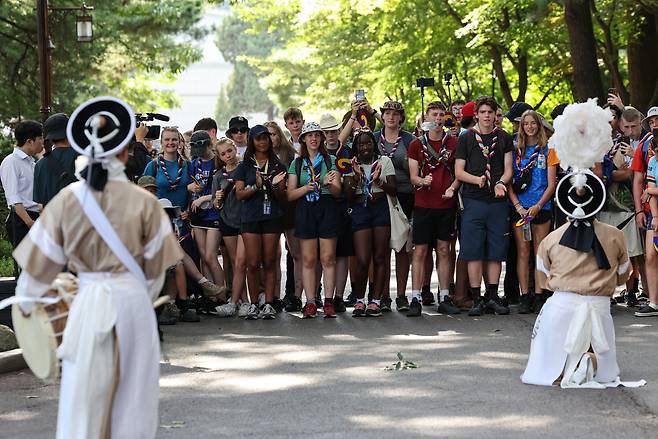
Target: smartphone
[[360, 94], [612, 91], [625, 139]]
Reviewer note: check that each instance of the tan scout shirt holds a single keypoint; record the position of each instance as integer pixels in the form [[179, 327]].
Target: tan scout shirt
[[564, 269], [63, 235]]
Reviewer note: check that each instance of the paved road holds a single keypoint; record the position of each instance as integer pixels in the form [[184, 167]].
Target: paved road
[[292, 377]]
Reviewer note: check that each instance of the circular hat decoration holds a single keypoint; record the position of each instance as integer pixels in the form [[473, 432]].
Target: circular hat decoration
[[111, 118], [580, 206]]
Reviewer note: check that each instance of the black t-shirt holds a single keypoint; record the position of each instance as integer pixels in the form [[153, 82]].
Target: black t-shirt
[[252, 207], [468, 149]]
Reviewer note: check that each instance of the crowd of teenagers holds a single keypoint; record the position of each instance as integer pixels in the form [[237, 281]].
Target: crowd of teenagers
[[459, 193]]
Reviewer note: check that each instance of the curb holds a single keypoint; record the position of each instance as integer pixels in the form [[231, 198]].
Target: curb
[[12, 361]]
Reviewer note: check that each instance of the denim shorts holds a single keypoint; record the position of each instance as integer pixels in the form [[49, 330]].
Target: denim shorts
[[484, 230], [317, 219], [374, 214]]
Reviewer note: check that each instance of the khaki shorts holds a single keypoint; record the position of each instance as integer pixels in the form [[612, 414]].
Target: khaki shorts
[[631, 232]]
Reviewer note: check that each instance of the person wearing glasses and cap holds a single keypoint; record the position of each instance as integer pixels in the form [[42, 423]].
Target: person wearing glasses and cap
[[110, 350], [56, 169], [238, 128]]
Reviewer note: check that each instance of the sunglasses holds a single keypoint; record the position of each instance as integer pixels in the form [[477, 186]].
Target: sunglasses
[[238, 130]]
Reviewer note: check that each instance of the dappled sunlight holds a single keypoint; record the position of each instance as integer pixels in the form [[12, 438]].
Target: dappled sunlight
[[401, 393], [504, 355], [241, 384], [301, 356], [19, 415], [452, 425], [243, 362], [341, 337]]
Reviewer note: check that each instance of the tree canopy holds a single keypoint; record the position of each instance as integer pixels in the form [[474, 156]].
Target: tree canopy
[[135, 43], [518, 50]]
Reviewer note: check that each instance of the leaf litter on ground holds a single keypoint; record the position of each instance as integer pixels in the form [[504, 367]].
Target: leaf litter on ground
[[401, 364]]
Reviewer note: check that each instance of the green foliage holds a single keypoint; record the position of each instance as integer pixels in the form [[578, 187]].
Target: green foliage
[[332, 47], [6, 261], [401, 364], [135, 43], [239, 40]]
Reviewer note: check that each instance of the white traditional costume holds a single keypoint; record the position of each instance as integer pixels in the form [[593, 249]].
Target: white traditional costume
[[573, 339], [118, 240]]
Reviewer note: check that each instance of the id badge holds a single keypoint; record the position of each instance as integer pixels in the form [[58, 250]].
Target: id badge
[[267, 206]]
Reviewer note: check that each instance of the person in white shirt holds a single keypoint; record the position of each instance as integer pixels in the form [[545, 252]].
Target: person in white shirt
[[17, 175]]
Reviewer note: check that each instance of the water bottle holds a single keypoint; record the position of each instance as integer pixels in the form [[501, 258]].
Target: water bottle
[[527, 232]]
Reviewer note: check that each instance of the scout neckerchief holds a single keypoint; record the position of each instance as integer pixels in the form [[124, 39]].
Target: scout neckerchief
[[367, 182], [487, 152], [382, 145], [431, 158], [532, 161], [172, 183], [314, 171]]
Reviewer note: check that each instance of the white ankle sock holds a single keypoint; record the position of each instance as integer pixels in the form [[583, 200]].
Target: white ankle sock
[[444, 294], [202, 280], [415, 294]]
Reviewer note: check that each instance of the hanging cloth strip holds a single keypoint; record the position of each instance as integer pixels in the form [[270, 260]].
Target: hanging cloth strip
[[172, 183], [382, 146], [314, 171], [487, 152]]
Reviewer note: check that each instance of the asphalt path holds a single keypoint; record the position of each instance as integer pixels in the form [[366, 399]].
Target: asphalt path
[[326, 378]]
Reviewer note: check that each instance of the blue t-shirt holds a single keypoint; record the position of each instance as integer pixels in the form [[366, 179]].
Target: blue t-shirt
[[535, 191], [179, 196], [254, 207], [203, 171]]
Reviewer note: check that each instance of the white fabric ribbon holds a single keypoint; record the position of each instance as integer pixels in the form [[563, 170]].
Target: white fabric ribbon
[[28, 299], [586, 329]]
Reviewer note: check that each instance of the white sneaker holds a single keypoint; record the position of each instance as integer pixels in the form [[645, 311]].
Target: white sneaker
[[226, 310], [261, 300], [268, 312], [253, 312], [243, 310]]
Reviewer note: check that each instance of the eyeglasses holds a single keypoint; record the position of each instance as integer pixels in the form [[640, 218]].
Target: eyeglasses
[[239, 130]]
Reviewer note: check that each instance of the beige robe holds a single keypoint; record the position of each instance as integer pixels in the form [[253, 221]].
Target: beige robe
[[63, 236]]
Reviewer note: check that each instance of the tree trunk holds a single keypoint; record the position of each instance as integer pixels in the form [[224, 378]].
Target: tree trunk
[[642, 65], [500, 74], [586, 73], [522, 71]]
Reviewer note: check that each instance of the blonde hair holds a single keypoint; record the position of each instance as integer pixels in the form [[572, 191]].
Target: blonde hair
[[542, 138], [219, 163], [284, 149]]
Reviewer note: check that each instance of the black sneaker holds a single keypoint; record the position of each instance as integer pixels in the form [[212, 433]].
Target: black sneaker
[[278, 305], [646, 311], [525, 304], [447, 307], [427, 297], [295, 305], [402, 303], [190, 316], [339, 305], [318, 302], [415, 308], [351, 299], [539, 301], [497, 307], [631, 299], [386, 304], [477, 309], [287, 299]]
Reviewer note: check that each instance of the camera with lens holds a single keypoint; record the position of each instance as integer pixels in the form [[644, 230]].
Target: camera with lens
[[447, 77], [154, 130], [424, 82]]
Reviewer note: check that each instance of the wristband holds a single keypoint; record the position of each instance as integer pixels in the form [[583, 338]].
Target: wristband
[[500, 182]]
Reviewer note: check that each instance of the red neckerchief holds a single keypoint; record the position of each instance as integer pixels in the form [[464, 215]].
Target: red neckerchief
[[531, 163], [382, 145], [428, 159], [179, 176], [487, 152]]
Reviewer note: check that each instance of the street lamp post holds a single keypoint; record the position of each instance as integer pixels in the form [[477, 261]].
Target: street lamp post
[[45, 46]]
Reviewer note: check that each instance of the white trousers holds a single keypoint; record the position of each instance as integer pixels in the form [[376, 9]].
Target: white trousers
[[108, 302]]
